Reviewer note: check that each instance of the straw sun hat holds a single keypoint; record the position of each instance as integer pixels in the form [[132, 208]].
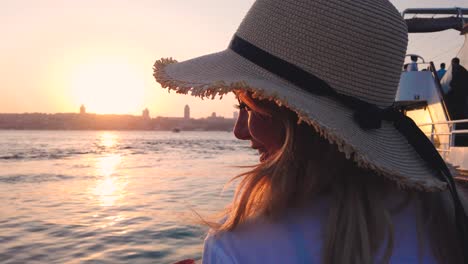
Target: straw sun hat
[[336, 63]]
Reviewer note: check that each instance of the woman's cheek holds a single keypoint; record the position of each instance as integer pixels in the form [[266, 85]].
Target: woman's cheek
[[264, 130]]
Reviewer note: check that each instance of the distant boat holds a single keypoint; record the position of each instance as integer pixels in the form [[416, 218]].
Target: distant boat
[[176, 130], [421, 94]]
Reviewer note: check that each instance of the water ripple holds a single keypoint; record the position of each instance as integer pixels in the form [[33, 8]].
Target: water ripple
[[131, 255], [69, 211], [12, 179]]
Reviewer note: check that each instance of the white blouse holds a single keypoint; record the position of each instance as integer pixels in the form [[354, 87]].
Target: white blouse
[[298, 239]]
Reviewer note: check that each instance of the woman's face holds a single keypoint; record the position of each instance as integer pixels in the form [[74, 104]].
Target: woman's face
[[255, 123]]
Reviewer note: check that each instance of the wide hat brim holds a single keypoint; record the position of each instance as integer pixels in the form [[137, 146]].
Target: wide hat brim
[[384, 150]]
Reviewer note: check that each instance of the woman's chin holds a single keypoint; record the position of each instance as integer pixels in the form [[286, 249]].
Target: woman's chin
[[263, 157]]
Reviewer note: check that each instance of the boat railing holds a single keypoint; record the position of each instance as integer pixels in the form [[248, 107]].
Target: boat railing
[[436, 11], [422, 66], [451, 134]]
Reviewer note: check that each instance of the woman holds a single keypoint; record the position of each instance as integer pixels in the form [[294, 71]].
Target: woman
[[343, 176]]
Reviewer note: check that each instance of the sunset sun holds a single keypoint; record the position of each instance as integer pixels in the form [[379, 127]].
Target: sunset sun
[[108, 87]]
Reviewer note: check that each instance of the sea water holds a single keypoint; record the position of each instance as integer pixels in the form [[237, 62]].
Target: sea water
[[112, 197]]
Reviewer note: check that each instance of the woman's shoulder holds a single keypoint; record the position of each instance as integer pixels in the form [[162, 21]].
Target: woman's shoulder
[[229, 246], [253, 235], [214, 251], [261, 240]]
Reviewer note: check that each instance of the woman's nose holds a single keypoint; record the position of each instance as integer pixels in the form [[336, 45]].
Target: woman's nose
[[241, 129]]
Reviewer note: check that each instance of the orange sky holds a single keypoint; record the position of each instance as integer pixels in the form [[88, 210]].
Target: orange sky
[[56, 54]]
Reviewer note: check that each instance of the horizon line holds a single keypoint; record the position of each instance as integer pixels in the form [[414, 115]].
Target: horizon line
[[114, 114]]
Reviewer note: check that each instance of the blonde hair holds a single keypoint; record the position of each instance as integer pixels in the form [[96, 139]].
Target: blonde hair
[[359, 222]]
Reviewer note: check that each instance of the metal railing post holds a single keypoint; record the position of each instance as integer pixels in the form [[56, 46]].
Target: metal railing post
[[432, 133], [452, 136]]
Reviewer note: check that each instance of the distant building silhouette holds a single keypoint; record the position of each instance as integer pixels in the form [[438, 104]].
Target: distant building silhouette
[[90, 121], [187, 112], [145, 114], [213, 115], [82, 109]]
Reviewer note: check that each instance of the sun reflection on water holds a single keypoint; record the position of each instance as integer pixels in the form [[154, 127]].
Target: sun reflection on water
[[108, 140], [109, 188], [107, 165]]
